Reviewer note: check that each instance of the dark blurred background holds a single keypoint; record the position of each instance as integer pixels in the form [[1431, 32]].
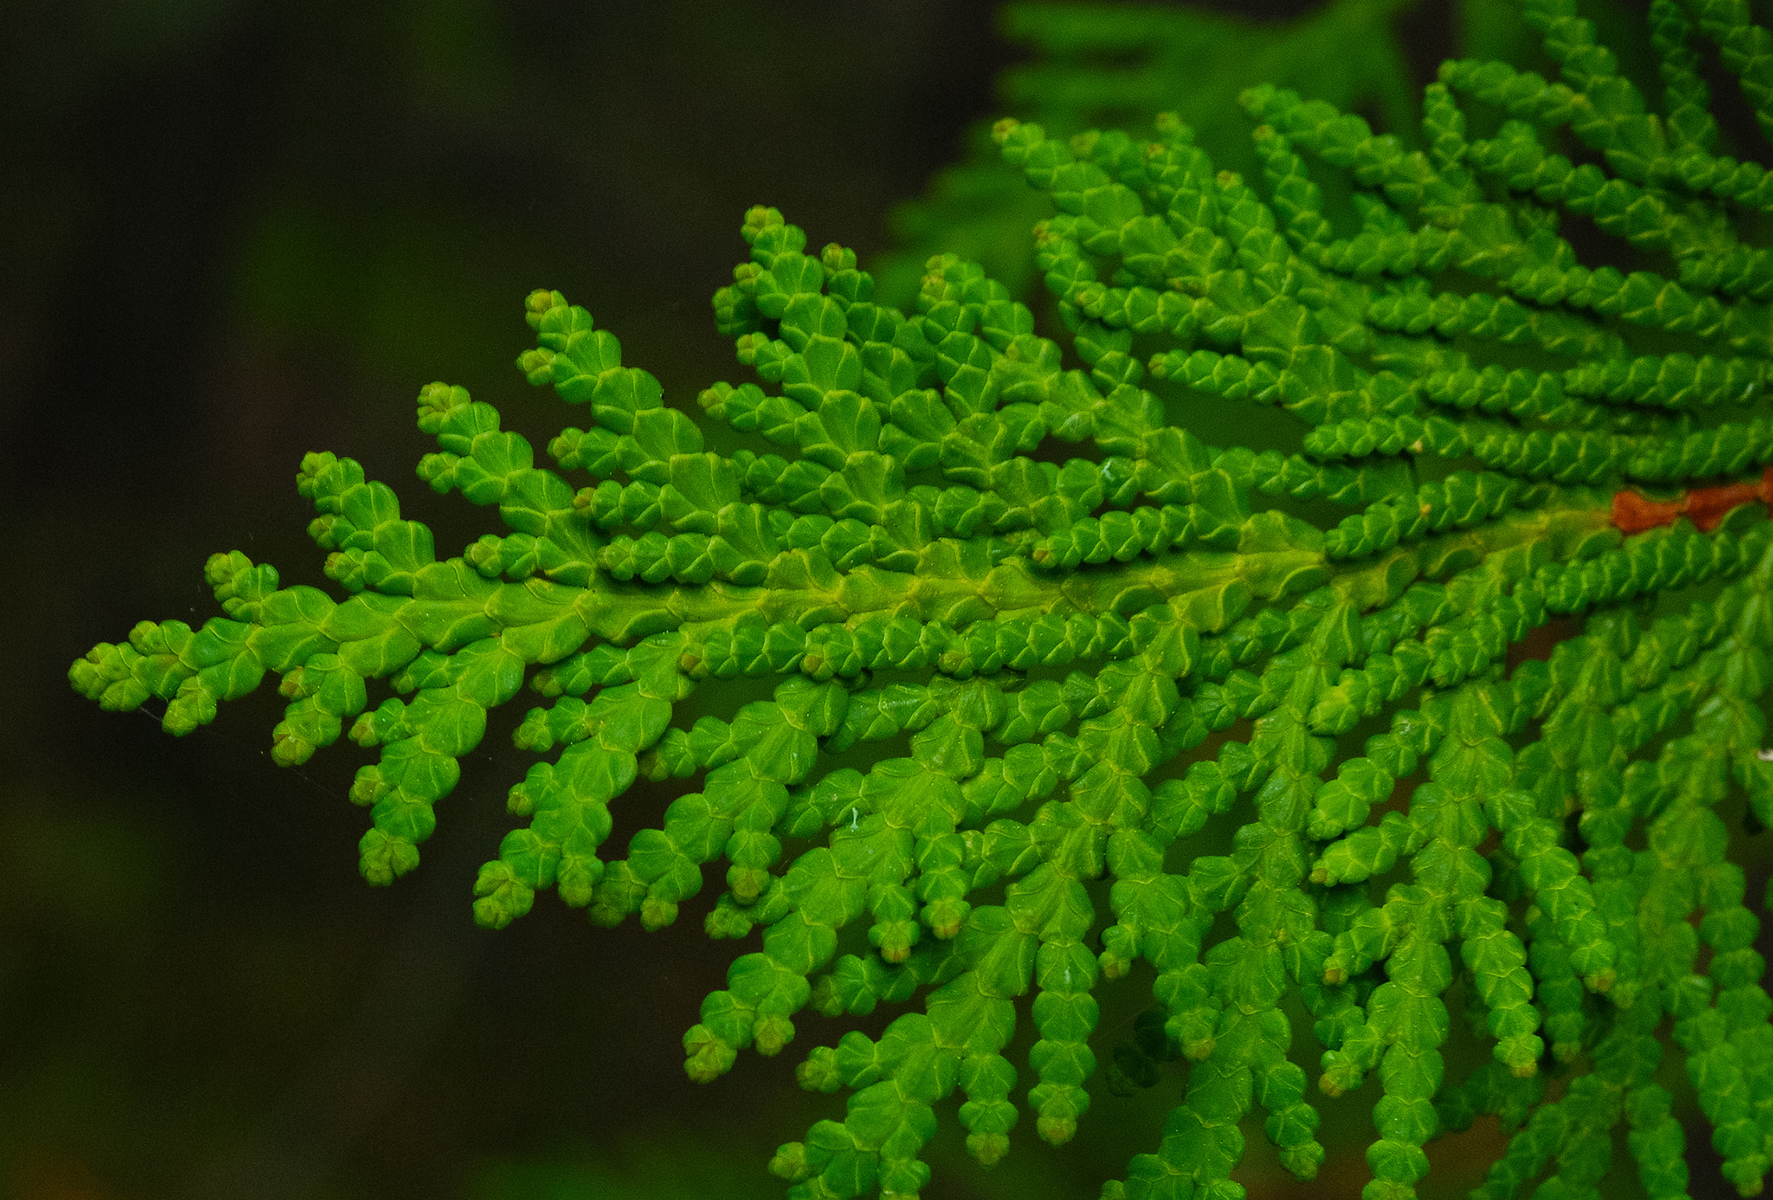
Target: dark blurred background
[[232, 232]]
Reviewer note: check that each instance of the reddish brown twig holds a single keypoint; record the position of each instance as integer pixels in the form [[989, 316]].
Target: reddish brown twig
[[1705, 507]]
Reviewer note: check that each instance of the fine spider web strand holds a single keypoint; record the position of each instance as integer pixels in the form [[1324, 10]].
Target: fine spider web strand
[[295, 827], [155, 711]]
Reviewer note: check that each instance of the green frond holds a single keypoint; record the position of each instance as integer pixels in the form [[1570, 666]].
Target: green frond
[[1253, 723]]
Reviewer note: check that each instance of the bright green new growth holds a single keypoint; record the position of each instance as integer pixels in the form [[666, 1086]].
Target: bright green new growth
[[1060, 595]]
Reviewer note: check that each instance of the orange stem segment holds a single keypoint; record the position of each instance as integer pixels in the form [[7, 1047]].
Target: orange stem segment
[[1705, 507]]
